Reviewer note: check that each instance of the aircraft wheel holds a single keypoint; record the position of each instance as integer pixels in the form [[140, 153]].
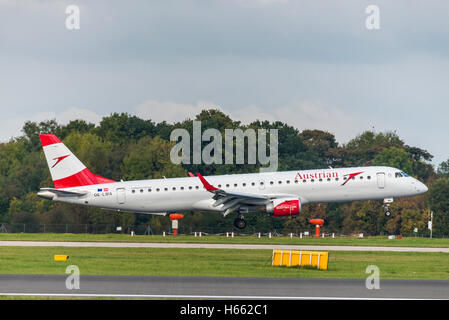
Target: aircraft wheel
[[387, 210], [240, 223]]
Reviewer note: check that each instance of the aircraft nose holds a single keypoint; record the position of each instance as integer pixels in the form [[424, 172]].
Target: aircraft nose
[[420, 187]]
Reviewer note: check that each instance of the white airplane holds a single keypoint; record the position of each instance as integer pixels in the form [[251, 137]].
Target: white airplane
[[276, 193]]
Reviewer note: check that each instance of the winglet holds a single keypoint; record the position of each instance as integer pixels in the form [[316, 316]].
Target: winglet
[[191, 174], [206, 184]]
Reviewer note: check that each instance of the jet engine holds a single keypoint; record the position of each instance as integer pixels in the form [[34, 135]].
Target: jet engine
[[284, 207]]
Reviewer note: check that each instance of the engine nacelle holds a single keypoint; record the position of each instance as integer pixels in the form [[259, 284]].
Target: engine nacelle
[[284, 207]]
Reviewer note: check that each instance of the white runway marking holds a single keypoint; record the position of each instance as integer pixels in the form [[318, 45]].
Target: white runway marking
[[213, 246], [150, 296]]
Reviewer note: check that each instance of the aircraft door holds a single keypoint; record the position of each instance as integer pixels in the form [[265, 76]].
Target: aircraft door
[[121, 195], [381, 180]]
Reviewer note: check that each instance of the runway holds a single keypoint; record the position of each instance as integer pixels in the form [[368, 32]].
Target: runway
[[221, 287], [213, 246]]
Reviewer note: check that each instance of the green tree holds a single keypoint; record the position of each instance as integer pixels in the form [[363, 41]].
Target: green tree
[[438, 201], [150, 159], [122, 128], [318, 144], [443, 169], [92, 151], [394, 157]]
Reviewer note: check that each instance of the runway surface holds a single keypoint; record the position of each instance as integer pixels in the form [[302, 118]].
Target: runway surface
[[221, 288], [214, 246]]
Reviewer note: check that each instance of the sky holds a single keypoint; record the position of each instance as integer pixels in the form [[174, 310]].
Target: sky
[[311, 64]]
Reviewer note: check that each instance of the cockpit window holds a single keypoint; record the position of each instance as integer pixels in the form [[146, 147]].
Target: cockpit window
[[400, 174]]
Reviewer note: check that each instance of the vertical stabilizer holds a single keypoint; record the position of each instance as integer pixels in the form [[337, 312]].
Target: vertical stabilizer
[[66, 169]]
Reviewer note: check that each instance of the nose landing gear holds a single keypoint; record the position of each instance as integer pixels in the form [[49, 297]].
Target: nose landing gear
[[387, 210], [387, 206]]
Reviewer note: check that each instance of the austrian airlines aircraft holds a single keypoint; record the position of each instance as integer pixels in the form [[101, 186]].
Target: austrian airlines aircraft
[[276, 193]]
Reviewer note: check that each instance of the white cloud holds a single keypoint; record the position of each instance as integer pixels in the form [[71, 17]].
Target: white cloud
[[12, 128], [77, 114], [170, 111], [261, 2], [301, 115], [308, 115]]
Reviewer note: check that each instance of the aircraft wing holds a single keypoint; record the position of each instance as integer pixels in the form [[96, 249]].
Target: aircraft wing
[[231, 201]]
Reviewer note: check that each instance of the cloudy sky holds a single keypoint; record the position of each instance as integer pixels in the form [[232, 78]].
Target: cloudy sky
[[312, 64]]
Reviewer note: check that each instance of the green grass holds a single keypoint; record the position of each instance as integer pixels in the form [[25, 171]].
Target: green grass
[[217, 262], [352, 241]]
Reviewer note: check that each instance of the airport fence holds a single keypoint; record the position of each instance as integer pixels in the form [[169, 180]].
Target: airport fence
[[185, 230], [143, 229]]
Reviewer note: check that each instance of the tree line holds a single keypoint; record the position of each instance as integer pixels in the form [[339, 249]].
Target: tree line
[[126, 147]]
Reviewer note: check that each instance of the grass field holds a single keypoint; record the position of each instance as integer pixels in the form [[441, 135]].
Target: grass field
[[216, 262], [340, 241], [220, 262]]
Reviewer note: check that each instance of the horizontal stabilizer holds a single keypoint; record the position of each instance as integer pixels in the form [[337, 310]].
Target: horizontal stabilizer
[[49, 193]]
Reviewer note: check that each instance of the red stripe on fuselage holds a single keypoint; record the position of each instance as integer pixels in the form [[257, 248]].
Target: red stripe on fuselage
[[82, 178]]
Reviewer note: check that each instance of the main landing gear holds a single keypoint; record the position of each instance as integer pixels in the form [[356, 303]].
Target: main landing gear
[[239, 222]]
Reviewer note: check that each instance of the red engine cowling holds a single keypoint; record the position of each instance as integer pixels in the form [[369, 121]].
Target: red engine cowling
[[284, 207]]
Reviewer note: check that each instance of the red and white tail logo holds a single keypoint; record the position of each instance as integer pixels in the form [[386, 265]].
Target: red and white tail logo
[[65, 168]]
